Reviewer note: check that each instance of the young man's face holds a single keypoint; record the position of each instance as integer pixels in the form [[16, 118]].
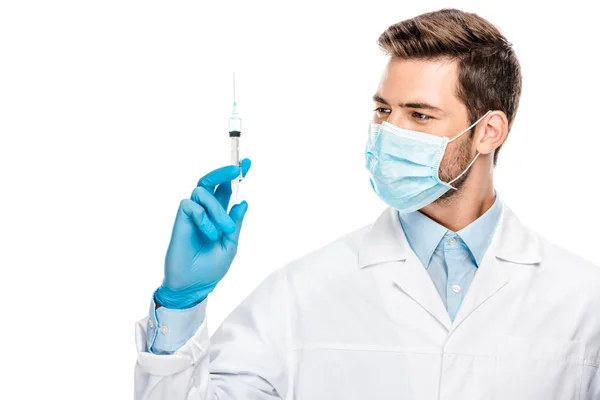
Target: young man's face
[[421, 96]]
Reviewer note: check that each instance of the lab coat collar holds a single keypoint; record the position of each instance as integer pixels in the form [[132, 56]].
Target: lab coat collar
[[385, 244], [516, 243], [385, 241]]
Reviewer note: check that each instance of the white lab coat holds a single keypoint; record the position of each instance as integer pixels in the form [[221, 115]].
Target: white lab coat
[[361, 319]]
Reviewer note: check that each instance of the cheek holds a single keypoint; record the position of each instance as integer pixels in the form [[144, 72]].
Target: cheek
[[457, 155], [377, 119]]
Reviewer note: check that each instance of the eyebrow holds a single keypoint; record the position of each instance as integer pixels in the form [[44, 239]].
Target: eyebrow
[[417, 105]]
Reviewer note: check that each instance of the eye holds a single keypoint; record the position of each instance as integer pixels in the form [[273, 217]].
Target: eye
[[380, 111], [420, 117]]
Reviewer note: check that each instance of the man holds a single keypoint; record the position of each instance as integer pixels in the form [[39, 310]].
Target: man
[[446, 296]]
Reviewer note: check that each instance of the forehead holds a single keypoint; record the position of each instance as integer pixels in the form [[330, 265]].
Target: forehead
[[431, 81]]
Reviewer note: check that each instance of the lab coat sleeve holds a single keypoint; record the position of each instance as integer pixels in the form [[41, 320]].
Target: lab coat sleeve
[[246, 358], [169, 329]]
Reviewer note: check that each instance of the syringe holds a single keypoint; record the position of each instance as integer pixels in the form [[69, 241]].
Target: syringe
[[235, 131]]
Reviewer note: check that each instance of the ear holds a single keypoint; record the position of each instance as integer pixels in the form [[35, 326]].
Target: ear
[[491, 132]]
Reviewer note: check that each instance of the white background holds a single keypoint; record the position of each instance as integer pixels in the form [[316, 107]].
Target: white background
[[110, 112]]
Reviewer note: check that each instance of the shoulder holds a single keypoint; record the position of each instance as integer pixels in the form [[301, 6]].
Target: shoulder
[[521, 243], [569, 266], [336, 257], [334, 264]]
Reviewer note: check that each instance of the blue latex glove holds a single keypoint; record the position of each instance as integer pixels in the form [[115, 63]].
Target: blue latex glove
[[204, 240]]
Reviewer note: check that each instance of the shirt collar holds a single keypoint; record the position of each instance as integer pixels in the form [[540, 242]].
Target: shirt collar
[[384, 241], [478, 235], [424, 234]]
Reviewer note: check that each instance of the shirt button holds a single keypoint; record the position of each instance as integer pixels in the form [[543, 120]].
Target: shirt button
[[455, 288], [151, 323], [451, 241], [164, 329]]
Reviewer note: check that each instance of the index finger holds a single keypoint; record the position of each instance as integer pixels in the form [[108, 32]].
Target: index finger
[[218, 176]]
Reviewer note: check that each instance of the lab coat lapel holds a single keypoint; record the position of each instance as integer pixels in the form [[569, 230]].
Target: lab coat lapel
[[412, 278], [489, 279], [385, 247], [512, 242]]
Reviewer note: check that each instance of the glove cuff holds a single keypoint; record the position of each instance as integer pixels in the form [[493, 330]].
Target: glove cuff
[[181, 299]]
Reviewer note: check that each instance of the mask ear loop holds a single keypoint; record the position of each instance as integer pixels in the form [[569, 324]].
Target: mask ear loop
[[474, 159], [450, 183], [469, 128]]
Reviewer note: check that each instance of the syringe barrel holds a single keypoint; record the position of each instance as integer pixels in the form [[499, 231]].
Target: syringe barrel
[[235, 124], [235, 150], [235, 160]]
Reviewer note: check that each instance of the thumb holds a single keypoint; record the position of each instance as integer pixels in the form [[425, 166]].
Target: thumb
[[237, 214]]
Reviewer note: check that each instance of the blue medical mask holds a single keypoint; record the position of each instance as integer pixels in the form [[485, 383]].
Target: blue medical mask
[[404, 165]]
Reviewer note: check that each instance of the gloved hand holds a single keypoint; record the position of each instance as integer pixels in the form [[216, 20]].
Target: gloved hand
[[204, 240]]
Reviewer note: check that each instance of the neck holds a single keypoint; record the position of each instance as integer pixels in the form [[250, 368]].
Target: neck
[[471, 201]]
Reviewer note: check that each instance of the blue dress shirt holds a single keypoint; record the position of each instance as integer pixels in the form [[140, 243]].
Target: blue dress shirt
[[451, 258], [168, 329]]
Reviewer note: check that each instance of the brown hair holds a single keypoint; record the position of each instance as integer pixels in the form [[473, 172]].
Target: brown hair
[[489, 74]]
